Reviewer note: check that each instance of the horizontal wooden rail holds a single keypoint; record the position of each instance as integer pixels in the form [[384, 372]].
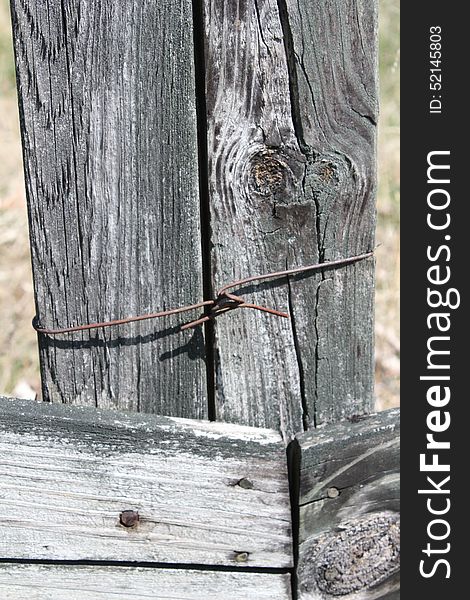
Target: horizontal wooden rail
[[47, 582], [78, 484], [82, 484]]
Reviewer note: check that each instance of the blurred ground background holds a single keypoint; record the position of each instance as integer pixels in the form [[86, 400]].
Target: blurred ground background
[[387, 299], [19, 375]]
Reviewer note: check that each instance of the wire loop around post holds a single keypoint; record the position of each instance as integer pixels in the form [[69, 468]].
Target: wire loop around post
[[225, 301]]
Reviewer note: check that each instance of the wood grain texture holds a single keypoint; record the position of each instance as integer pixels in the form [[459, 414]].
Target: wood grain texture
[[206, 493], [254, 168], [47, 582], [332, 49], [349, 510], [108, 121], [291, 104]]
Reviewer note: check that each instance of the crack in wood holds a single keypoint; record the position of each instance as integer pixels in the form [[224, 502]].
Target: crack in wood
[[205, 213], [147, 565], [305, 413]]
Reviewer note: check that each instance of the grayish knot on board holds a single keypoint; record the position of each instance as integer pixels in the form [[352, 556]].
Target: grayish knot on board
[[361, 553]]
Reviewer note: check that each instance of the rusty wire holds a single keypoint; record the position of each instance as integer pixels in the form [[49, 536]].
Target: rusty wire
[[224, 301]]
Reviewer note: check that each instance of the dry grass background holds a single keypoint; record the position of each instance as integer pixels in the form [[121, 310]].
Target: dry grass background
[[19, 375], [387, 299]]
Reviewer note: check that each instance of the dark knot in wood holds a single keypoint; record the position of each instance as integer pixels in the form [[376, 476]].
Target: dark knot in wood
[[361, 553], [268, 172]]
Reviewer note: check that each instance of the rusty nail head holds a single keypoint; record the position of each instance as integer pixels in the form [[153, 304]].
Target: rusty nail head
[[129, 518], [241, 556], [332, 492]]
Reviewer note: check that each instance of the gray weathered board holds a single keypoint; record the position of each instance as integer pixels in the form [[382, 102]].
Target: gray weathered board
[[292, 104], [206, 493], [107, 97], [108, 120], [349, 510], [47, 582]]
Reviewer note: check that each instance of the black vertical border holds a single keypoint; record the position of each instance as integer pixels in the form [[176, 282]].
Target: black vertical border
[[421, 133]]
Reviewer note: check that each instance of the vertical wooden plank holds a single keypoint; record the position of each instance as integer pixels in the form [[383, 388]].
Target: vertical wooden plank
[[291, 103], [108, 122], [254, 168], [332, 49]]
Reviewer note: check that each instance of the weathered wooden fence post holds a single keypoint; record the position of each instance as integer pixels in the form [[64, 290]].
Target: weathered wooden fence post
[[108, 108], [171, 148]]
